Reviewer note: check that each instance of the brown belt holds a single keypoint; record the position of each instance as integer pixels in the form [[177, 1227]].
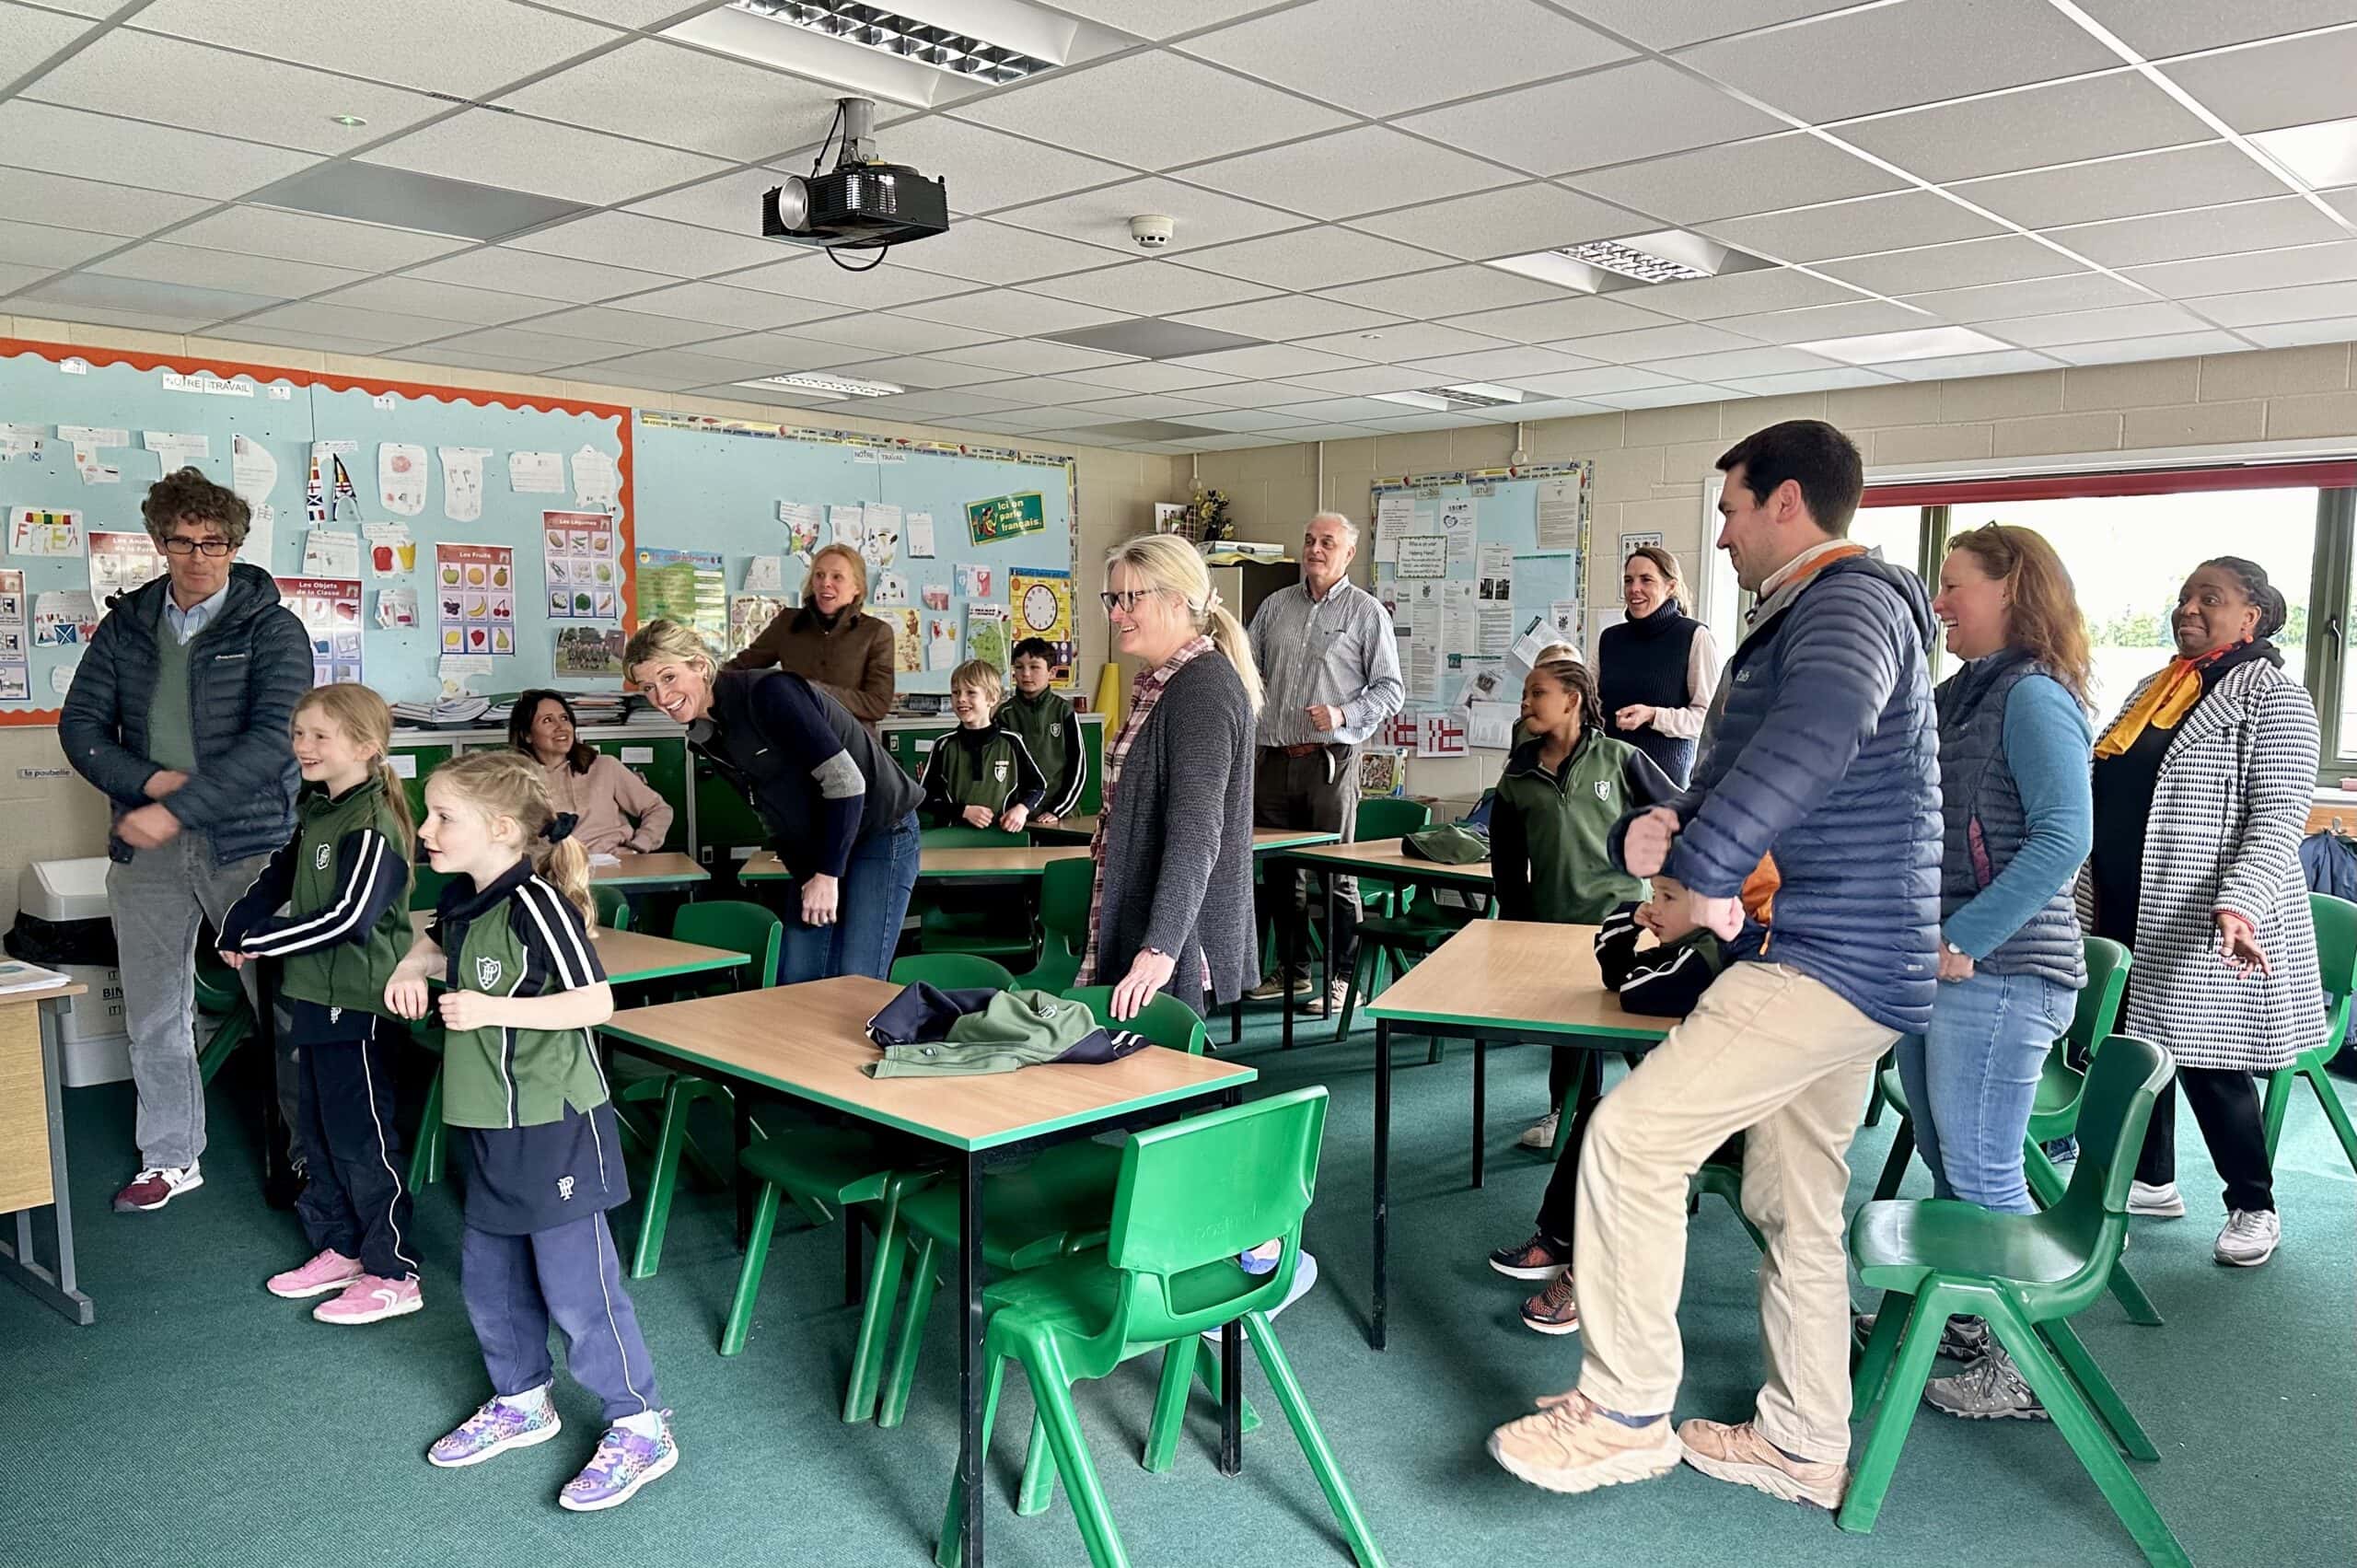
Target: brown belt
[[1310, 750]]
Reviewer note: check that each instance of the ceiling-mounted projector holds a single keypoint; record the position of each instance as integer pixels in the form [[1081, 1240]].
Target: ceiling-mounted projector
[[862, 204]]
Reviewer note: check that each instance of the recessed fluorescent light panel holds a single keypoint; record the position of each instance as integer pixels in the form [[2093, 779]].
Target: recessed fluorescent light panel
[[1597, 266], [819, 385], [1885, 348], [942, 47], [1455, 399], [2323, 155]]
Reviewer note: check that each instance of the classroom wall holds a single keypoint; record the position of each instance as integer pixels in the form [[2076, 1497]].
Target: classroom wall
[[1650, 463], [50, 813]]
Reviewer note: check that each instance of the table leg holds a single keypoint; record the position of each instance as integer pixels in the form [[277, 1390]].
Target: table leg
[[1236, 1023], [852, 1280], [970, 1366], [740, 1116], [1331, 946], [1376, 1334], [1231, 1398], [1289, 937], [58, 1290], [1480, 1103]]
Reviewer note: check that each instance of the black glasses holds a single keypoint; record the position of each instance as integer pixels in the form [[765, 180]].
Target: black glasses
[[215, 548], [1127, 600]]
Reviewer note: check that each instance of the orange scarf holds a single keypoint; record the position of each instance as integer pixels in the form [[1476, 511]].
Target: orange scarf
[[2165, 704]]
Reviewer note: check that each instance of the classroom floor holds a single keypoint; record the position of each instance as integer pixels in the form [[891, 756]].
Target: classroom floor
[[201, 1420]]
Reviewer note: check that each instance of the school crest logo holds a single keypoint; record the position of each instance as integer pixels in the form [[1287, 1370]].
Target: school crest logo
[[486, 972], [998, 770], [320, 861], [1602, 790], [565, 1188]]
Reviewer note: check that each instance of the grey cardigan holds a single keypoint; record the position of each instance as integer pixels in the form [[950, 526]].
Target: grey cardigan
[[1178, 841]]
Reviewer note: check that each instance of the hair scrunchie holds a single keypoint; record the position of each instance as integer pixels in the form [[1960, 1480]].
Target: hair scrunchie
[[560, 826]]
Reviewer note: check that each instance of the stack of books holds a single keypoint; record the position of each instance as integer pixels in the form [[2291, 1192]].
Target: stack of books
[[449, 712]]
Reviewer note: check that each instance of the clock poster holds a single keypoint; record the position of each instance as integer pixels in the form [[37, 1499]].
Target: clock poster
[[1041, 599]]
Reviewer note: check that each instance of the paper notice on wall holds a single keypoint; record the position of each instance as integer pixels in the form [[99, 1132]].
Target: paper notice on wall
[[536, 473], [920, 535], [1392, 514], [749, 615], [596, 480], [1490, 725], [975, 582], [765, 575], [474, 598], [175, 451], [328, 609], [401, 478], [253, 472], [1494, 574], [802, 522], [121, 562], [1423, 555], [1456, 526], [908, 639], [880, 533], [462, 481], [891, 588], [843, 525], [1563, 617], [391, 551], [986, 634], [1463, 636], [395, 608], [16, 638], [1494, 684], [1562, 509], [1497, 628], [329, 554], [1422, 666], [20, 441], [260, 536], [64, 619], [460, 673], [89, 441], [941, 642], [42, 530]]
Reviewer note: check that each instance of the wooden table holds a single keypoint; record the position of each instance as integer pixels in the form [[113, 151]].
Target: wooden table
[[809, 1041], [631, 957], [1014, 862], [32, 1147], [1376, 859], [1496, 979], [650, 871]]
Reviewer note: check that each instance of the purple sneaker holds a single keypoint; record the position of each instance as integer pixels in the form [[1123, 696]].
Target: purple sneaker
[[494, 1429], [623, 1463]]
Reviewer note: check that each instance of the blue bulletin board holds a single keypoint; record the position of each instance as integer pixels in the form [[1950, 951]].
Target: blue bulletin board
[[721, 483], [1526, 537], [48, 389]]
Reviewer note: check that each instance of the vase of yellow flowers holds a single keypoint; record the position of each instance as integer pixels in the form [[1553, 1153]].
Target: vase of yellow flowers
[[1204, 519]]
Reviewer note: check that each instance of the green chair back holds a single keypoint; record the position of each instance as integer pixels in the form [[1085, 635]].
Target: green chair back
[[1192, 1195], [1391, 819], [1167, 1021], [973, 837], [952, 971], [614, 909], [2099, 999], [1065, 887], [2124, 1078], [739, 926], [2336, 924]]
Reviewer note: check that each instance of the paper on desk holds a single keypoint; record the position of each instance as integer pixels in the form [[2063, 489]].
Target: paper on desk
[[603, 859]]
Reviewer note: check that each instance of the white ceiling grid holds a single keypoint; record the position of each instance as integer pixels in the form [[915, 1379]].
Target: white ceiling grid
[[2075, 179]]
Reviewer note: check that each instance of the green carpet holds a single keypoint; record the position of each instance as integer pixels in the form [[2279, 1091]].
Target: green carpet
[[201, 1421]]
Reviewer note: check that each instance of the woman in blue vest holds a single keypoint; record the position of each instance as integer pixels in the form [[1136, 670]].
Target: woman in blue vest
[[840, 813], [1657, 669], [2020, 817]]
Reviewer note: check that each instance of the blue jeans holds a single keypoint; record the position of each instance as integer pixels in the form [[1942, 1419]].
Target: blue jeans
[[870, 903], [1971, 1082]]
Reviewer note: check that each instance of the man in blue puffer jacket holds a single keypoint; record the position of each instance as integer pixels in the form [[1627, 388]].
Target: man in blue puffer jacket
[[1811, 840], [179, 712]]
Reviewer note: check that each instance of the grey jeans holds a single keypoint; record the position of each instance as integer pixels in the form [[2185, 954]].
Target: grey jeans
[[158, 899]]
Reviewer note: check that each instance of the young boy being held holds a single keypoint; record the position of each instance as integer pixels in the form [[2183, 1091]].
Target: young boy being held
[[1662, 981], [1048, 729], [980, 774]]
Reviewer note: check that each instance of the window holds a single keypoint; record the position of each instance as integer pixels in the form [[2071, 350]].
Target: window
[[1898, 531]]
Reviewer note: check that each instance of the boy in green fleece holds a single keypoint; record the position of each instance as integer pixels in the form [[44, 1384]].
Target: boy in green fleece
[[979, 774], [1048, 729]]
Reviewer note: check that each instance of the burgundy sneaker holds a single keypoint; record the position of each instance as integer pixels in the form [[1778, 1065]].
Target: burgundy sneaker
[[156, 1186], [1535, 1260], [1555, 1310]]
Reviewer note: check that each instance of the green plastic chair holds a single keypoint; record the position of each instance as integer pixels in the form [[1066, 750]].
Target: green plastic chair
[[1388, 946], [2024, 1275], [1393, 818], [613, 907], [1064, 890], [987, 931], [1187, 1199], [739, 926], [1060, 1202], [219, 994], [2335, 923], [952, 971], [2054, 1112]]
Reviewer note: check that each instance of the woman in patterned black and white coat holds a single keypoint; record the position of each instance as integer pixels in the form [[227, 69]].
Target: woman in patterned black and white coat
[[2202, 790]]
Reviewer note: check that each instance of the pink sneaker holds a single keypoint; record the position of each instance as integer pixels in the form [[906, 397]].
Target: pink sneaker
[[329, 1270], [368, 1299]]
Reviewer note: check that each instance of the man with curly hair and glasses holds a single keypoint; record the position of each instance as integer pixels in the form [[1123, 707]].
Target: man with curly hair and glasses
[[179, 711]]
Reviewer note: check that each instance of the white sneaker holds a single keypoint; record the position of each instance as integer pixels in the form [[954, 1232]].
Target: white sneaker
[[2250, 1237], [1540, 1135], [1305, 1275], [1988, 1390], [2162, 1203]]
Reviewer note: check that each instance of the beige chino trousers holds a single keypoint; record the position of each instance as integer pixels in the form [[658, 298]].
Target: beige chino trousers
[[1773, 1052]]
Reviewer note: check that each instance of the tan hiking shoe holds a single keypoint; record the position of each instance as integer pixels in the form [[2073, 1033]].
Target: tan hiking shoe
[[1569, 1445], [1740, 1455]]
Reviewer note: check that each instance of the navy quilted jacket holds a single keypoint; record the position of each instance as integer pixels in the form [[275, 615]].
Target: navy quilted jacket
[[246, 669], [1826, 752]]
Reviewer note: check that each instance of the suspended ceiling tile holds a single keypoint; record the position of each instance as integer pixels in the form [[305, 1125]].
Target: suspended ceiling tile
[[2270, 224], [1161, 18], [2170, 181], [1504, 364], [1566, 315], [2057, 122], [881, 332], [126, 152], [1512, 221], [92, 205], [2003, 260], [1310, 258], [1444, 290], [984, 251], [1032, 357], [986, 170], [1150, 288], [1009, 312], [462, 47], [415, 297], [2297, 81], [1864, 227], [302, 237], [1762, 175], [1357, 170], [1102, 216], [347, 321], [810, 276], [1854, 318], [560, 278], [1405, 340], [1269, 360], [1291, 317], [160, 261], [1152, 110], [648, 245], [39, 245], [516, 152], [607, 324], [726, 306], [2070, 326], [1650, 343], [2033, 296], [1657, 26], [1728, 366], [28, 36], [2161, 28], [2258, 270], [658, 91], [1624, 113]]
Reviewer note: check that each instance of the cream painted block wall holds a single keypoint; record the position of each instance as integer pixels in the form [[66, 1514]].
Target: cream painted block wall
[[50, 816], [1651, 463]]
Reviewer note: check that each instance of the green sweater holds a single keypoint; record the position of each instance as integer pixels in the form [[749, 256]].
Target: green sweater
[[344, 879], [1548, 830], [518, 937], [989, 767], [1050, 730]]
